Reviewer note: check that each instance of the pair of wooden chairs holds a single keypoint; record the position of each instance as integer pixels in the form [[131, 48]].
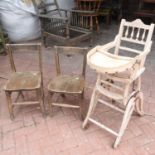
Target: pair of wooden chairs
[[21, 82], [119, 65]]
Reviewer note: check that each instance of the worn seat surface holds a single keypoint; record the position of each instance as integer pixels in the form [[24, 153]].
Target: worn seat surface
[[67, 83], [23, 81]]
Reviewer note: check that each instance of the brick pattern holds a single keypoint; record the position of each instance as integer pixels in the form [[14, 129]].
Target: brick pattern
[[61, 134]]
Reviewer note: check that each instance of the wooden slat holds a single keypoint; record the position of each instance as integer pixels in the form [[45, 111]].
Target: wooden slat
[[112, 85], [26, 103], [109, 94], [133, 40], [103, 127], [110, 105], [65, 105], [130, 50]]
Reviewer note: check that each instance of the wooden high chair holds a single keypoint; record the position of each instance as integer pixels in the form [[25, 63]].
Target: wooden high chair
[[119, 73]]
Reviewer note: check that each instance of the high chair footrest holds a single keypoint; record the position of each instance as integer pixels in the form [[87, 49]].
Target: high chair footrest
[[103, 127]]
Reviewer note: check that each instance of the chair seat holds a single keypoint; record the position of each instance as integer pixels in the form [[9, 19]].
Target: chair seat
[[23, 81], [67, 84], [109, 63]]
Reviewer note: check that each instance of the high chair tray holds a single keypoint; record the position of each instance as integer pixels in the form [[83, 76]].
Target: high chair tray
[[105, 62]]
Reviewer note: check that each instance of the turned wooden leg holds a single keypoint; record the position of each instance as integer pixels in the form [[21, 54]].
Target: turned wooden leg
[[9, 102]]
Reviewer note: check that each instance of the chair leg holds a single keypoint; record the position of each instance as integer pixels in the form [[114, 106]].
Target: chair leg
[[127, 115], [91, 23], [91, 108], [50, 104], [41, 100], [43, 37], [139, 97], [139, 104], [97, 24], [81, 106], [10, 106]]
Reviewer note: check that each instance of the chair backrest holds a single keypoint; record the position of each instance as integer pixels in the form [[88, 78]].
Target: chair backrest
[[70, 52], [43, 7], [24, 48], [89, 5], [134, 38], [132, 35]]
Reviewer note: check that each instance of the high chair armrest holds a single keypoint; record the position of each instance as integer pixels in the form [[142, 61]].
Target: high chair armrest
[[103, 48]]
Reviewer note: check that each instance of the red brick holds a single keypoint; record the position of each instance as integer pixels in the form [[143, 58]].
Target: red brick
[[65, 131], [80, 136], [150, 147], [28, 120], [34, 148], [12, 126], [8, 152], [52, 126], [49, 151], [75, 124], [141, 151], [136, 130], [8, 141], [21, 145], [38, 134], [66, 144]]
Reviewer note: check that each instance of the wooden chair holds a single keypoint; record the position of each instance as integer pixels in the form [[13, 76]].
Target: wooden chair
[[146, 9], [24, 81], [119, 73], [71, 83], [111, 8], [59, 24], [93, 7]]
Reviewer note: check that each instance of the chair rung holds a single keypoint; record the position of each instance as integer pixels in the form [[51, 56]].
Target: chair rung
[[109, 94], [65, 105], [103, 127], [112, 85], [110, 105], [26, 103]]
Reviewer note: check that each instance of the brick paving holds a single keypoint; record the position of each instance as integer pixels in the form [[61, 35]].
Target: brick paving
[[61, 134]]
